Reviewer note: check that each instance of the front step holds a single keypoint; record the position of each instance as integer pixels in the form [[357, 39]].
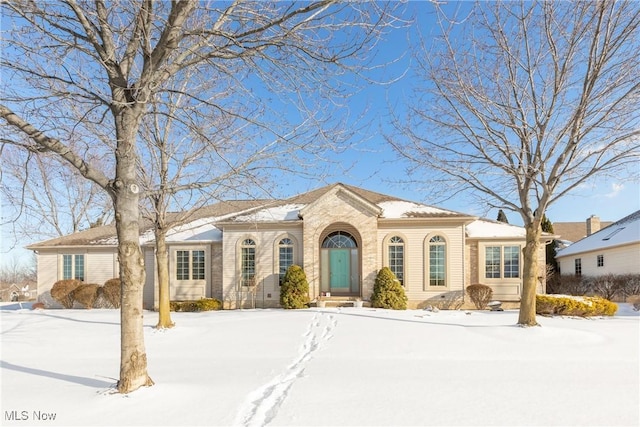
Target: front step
[[340, 302]]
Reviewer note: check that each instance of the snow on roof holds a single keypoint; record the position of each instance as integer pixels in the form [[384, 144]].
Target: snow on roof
[[484, 228], [404, 209], [622, 232], [274, 213]]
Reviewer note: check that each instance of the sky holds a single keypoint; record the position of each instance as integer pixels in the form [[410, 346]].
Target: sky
[[370, 163], [324, 367]]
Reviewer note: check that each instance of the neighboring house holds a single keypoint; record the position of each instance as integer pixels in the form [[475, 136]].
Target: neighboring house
[[570, 232], [341, 235], [611, 250]]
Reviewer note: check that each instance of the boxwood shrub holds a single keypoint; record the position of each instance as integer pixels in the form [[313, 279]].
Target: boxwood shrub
[[565, 305]]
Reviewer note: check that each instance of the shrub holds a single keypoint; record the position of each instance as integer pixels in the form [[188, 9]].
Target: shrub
[[203, 304], [480, 295], [565, 305], [388, 292], [635, 300], [86, 294], [111, 292], [62, 291], [294, 292]]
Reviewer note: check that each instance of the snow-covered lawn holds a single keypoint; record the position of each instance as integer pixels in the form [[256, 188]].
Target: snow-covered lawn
[[348, 366]]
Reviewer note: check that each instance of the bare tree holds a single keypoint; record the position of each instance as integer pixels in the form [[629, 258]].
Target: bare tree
[[521, 102], [45, 199], [85, 74]]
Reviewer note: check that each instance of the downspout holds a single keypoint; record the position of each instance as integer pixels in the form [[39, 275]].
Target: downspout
[[464, 260]]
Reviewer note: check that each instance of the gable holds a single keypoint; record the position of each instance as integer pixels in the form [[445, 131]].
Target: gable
[[340, 195]]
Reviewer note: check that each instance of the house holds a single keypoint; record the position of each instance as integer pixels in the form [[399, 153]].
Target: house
[[611, 250], [341, 235], [573, 231]]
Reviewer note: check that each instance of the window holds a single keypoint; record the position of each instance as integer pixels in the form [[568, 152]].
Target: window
[[339, 239], [511, 262], [285, 257], [197, 263], [492, 262], [396, 257], [600, 260], [73, 267], [502, 262], [248, 262], [578, 265], [437, 261], [190, 265]]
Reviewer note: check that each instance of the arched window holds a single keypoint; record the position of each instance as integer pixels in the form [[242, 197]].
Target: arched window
[[437, 261], [285, 257], [248, 262], [339, 239], [396, 257]]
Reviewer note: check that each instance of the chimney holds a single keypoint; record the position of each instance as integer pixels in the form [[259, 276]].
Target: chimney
[[593, 225]]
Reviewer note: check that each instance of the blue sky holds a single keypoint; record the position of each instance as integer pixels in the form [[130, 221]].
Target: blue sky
[[370, 163]]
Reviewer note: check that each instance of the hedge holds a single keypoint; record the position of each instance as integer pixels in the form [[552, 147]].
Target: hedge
[[565, 305]]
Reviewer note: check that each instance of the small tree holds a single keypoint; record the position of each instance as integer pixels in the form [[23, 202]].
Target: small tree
[[388, 292], [502, 217], [480, 295], [294, 292]]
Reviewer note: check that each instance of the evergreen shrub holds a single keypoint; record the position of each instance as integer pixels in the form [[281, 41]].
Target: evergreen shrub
[[480, 295], [203, 304], [294, 292], [111, 292], [86, 294], [565, 305], [388, 292], [62, 291]]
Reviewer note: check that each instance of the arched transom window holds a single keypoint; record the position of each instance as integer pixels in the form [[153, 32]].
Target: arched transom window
[[437, 261], [396, 257], [339, 239]]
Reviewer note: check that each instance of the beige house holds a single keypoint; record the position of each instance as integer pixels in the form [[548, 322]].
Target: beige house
[[341, 235]]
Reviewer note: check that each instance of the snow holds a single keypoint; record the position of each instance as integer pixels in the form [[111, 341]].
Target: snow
[[329, 366], [275, 213], [483, 228], [623, 232], [400, 209]]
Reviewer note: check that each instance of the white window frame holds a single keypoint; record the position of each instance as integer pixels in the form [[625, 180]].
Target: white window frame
[[386, 259], [74, 256], [482, 262]]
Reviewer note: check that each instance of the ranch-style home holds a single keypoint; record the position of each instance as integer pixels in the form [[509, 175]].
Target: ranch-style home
[[614, 249], [238, 251]]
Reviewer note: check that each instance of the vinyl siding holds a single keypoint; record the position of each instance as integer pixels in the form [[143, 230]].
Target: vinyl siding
[[617, 260], [100, 265], [268, 292], [416, 252]]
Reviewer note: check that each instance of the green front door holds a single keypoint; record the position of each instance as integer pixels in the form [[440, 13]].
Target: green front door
[[339, 270]]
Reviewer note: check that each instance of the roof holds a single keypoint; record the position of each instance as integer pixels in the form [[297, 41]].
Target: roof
[[205, 224], [488, 229], [574, 231], [106, 234], [623, 232]]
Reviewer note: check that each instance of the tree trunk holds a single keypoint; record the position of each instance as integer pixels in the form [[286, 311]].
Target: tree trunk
[[133, 357], [530, 275], [162, 263]]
